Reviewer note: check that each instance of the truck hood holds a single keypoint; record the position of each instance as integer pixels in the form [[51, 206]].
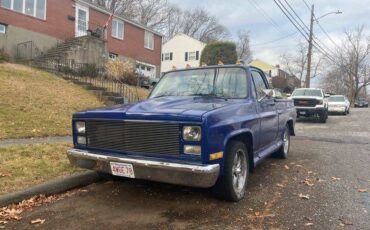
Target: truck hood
[[336, 103], [307, 97], [164, 108]]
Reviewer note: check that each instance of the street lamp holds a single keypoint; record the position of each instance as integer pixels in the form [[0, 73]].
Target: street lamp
[[335, 12], [310, 40]]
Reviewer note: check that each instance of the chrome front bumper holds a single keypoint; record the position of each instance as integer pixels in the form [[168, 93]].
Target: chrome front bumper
[[203, 176], [337, 109]]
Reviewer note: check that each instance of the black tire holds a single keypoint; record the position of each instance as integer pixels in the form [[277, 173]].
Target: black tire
[[323, 117], [283, 151], [225, 188]]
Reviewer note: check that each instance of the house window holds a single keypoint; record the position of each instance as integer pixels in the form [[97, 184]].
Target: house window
[[6, 3], [18, 5], [149, 40], [113, 56], [167, 56], [2, 29], [192, 56], [35, 8], [117, 29]]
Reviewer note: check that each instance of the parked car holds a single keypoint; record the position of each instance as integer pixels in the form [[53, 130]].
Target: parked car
[[310, 102], [361, 102], [339, 104], [201, 127]]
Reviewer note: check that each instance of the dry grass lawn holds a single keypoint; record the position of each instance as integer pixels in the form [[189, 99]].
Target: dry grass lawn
[[27, 165], [34, 103]]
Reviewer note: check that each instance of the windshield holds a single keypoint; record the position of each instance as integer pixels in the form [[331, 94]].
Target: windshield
[[217, 82], [336, 99], [307, 92]]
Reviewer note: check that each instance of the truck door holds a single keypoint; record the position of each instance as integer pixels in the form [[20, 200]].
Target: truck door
[[269, 119]]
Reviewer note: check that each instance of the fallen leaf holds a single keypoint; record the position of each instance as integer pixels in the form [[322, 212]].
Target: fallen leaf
[[335, 178], [308, 224], [38, 221], [308, 182], [362, 190], [280, 185], [3, 222], [299, 165], [257, 213], [5, 175], [345, 221], [309, 172], [286, 167], [306, 197]]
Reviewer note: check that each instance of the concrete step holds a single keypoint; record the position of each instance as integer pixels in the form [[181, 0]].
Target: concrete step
[[111, 94]]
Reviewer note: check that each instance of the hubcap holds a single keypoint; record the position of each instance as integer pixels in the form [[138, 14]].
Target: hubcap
[[286, 142], [239, 171]]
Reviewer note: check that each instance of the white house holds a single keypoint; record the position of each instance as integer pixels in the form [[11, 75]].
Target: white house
[[180, 51]]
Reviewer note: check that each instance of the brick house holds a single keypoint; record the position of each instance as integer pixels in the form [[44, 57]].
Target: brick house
[[33, 28]]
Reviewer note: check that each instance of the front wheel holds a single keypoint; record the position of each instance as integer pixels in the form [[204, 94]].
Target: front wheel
[[323, 116], [231, 185], [283, 151]]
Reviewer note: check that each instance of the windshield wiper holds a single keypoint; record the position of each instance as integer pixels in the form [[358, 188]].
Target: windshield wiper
[[208, 95]]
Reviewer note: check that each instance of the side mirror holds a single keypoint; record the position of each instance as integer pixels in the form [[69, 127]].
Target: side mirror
[[269, 93], [288, 94], [327, 95]]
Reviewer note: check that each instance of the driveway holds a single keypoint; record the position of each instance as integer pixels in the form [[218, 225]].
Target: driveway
[[316, 188]]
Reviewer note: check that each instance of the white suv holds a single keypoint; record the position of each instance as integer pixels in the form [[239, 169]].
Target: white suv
[[310, 102]]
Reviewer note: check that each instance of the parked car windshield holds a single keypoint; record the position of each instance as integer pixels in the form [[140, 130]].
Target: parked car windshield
[[216, 82], [336, 99], [307, 92]]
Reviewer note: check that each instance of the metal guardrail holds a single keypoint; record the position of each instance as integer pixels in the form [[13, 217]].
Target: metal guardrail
[[92, 74]]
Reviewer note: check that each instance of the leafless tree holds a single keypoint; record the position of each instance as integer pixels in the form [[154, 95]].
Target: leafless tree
[[295, 63], [168, 19], [353, 61], [120, 7], [243, 48], [202, 26]]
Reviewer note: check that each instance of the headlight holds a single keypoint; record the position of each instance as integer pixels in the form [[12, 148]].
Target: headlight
[[192, 133], [80, 127]]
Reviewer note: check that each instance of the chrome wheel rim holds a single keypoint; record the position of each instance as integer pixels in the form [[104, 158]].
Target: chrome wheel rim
[[286, 142], [239, 172]]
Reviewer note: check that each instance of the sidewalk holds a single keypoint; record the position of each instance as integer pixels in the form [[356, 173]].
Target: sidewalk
[[36, 140]]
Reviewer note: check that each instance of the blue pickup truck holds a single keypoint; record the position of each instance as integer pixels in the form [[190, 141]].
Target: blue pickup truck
[[201, 127]]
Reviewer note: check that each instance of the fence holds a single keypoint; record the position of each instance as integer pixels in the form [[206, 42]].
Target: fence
[[91, 74]]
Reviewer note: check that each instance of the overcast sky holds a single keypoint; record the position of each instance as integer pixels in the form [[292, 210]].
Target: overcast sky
[[267, 23]]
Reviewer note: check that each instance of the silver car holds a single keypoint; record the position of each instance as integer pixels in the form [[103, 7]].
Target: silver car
[[338, 104]]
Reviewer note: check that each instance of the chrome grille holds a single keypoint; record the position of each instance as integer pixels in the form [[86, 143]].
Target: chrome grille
[[305, 102], [134, 136]]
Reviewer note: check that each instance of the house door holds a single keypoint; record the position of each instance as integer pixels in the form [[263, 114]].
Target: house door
[[82, 21]]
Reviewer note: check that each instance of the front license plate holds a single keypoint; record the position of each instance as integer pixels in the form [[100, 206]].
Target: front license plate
[[302, 112], [122, 169]]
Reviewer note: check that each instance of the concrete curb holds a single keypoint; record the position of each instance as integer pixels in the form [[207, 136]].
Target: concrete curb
[[52, 187]]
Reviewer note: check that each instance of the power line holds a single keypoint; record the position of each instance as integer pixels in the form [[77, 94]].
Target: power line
[[272, 41], [267, 17], [299, 27]]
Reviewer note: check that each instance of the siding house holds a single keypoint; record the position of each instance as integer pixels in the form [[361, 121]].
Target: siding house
[[277, 77], [33, 28], [181, 51]]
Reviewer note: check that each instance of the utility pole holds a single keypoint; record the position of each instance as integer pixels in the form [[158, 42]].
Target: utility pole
[[309, 54]]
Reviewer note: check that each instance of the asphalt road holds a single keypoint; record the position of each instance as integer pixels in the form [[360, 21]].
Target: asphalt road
[[333, 158]]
